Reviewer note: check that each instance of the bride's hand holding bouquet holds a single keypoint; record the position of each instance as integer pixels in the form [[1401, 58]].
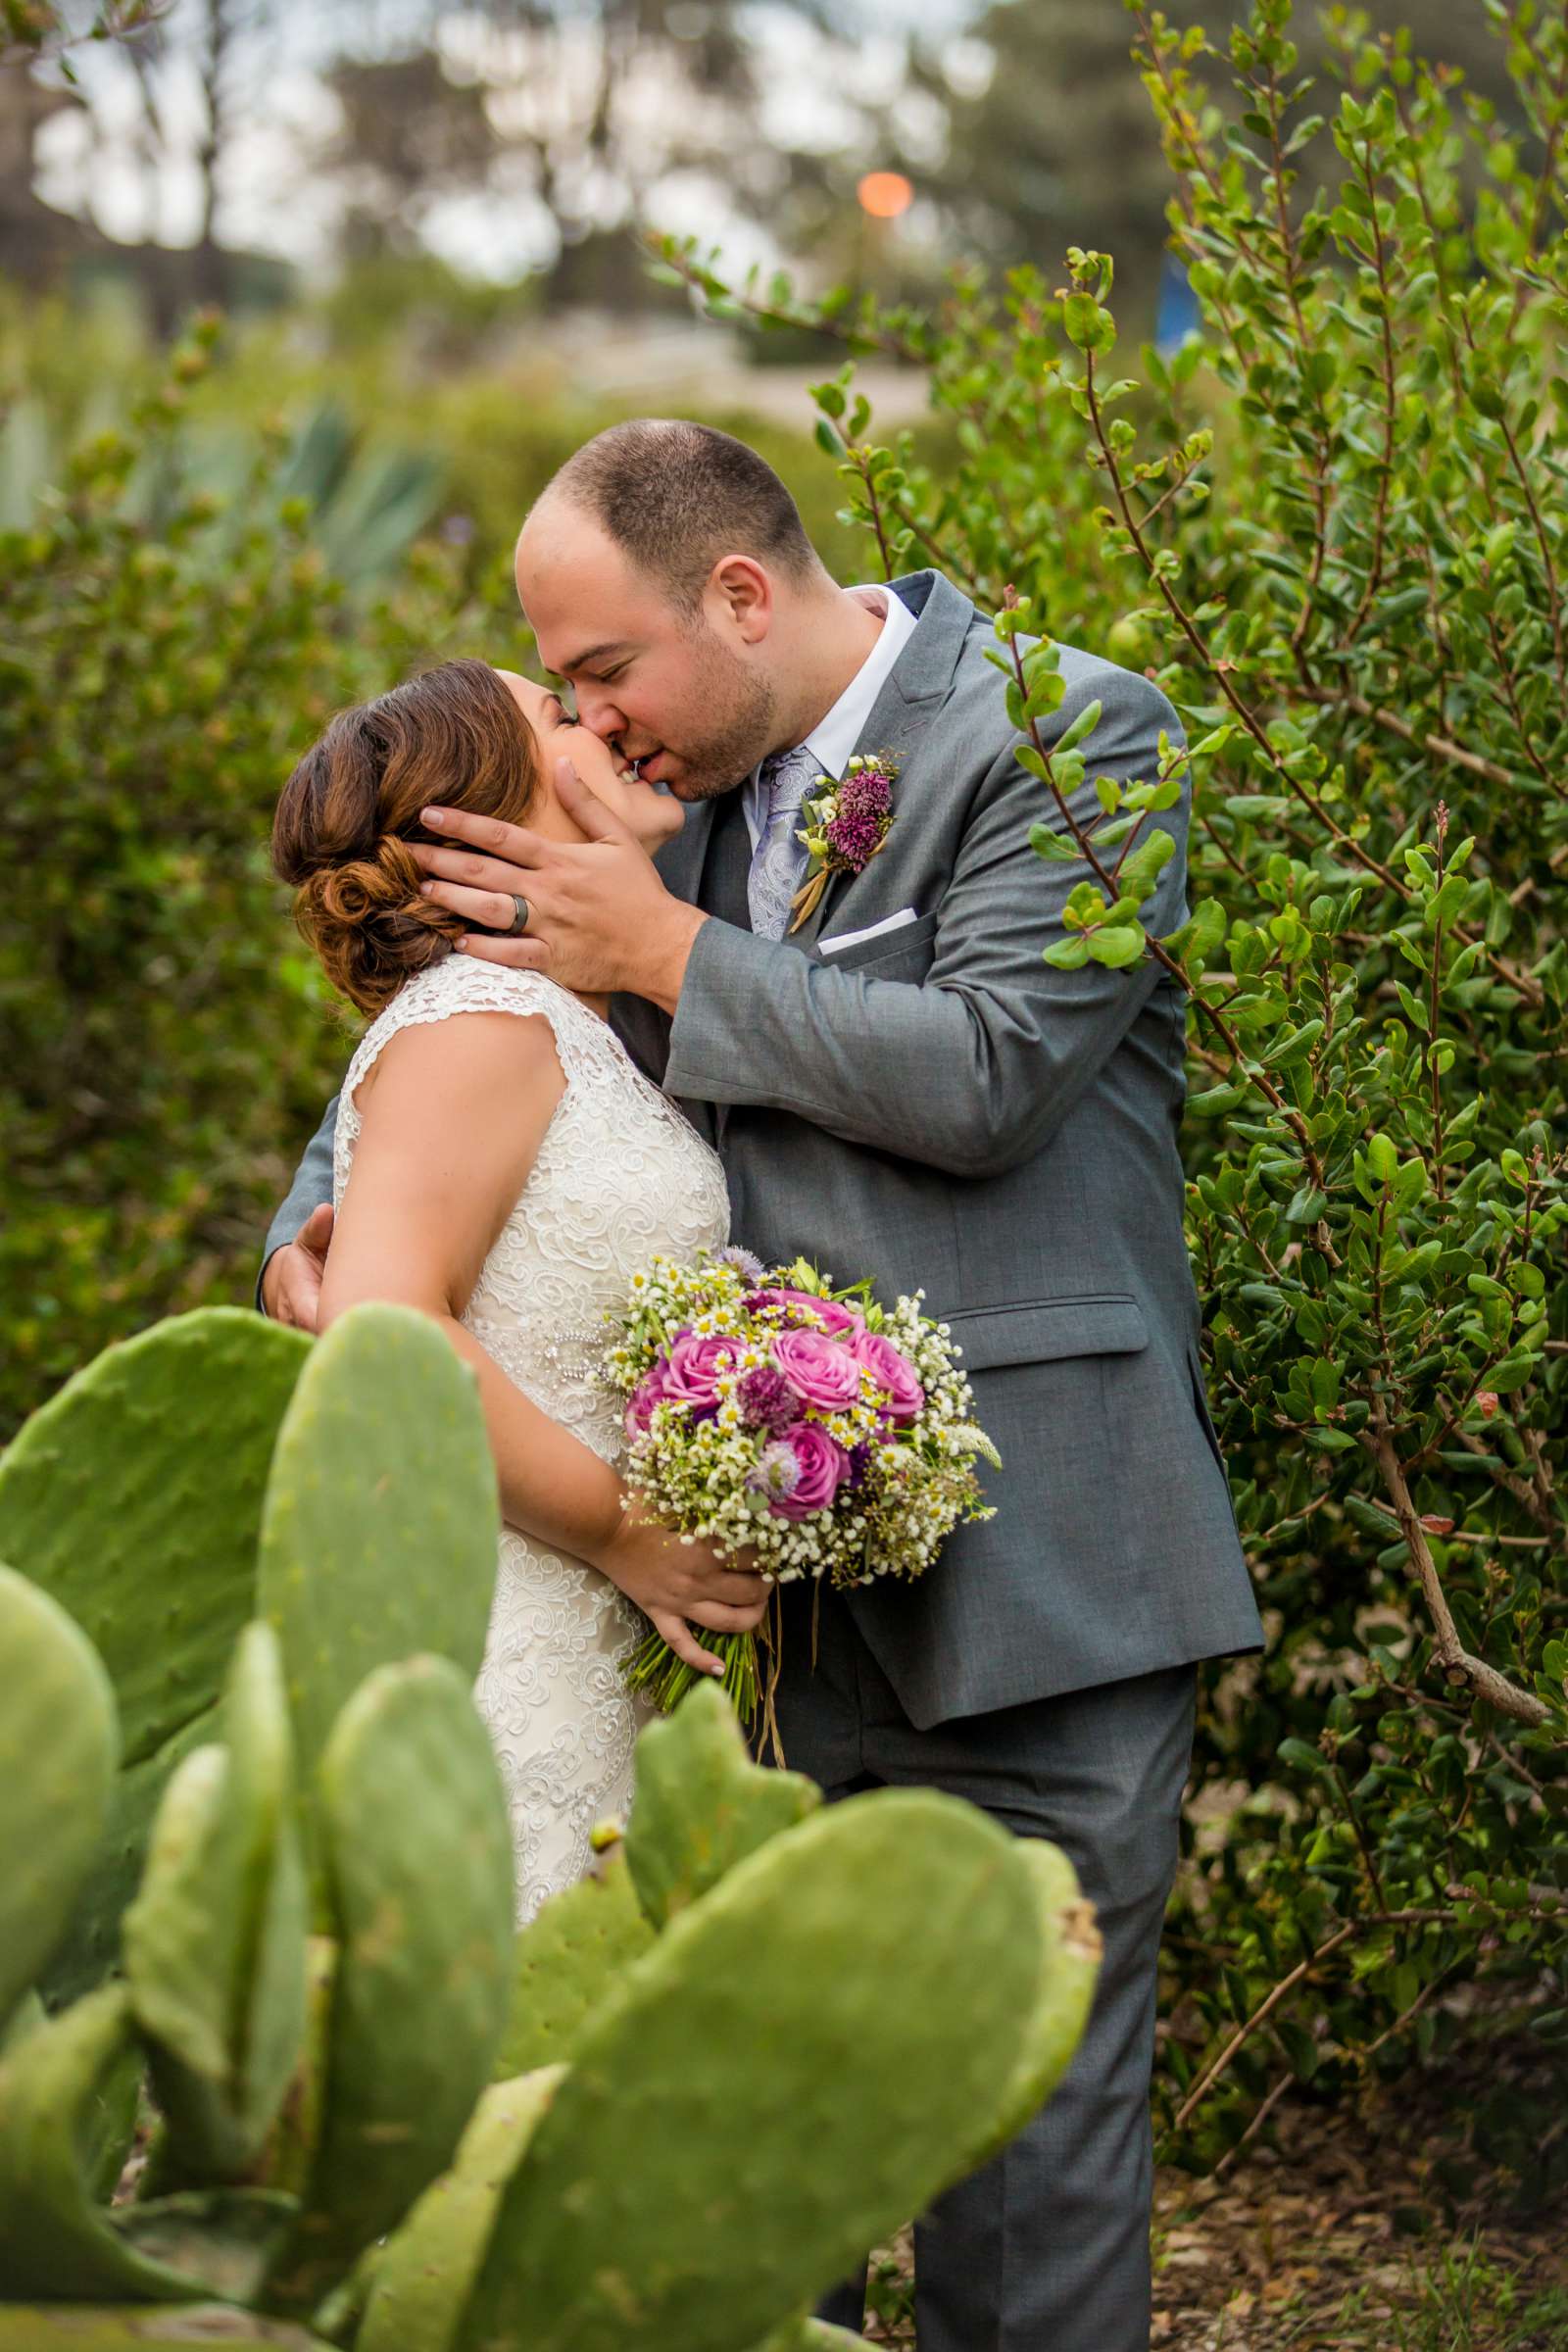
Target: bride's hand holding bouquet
[[811, 1430]]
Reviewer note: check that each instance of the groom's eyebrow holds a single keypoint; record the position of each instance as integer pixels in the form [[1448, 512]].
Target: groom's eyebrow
[[595, 653]]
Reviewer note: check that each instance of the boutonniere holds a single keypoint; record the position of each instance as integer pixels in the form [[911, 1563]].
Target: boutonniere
[[844, 826]]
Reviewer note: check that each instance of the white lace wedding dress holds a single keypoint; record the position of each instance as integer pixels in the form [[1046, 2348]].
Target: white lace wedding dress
[[621, 1177]]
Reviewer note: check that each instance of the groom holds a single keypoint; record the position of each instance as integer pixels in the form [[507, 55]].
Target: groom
[[900, 1086]]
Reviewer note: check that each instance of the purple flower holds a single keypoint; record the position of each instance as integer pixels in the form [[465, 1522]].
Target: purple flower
[[693, 1366], [854, 839], [859, 1464], [893, 1373], [766, 1400], [867, 793], [821, 1370], [750, 1268], [821, 1467], [777, 1473]]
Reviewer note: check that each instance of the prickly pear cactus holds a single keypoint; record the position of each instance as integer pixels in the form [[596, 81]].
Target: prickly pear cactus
[[52, 2231], [378, 1535], [291, 2145], [58, 1751], [142, 2327], [418, 1860], [793, 2045], [1057, 2013], [566, 1962], [423, 2279], [812, 2336], [215, 1942], [702, 1805], [143, 1477]]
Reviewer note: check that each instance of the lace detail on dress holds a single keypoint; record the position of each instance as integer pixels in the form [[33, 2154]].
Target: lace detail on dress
[[621, 1177]]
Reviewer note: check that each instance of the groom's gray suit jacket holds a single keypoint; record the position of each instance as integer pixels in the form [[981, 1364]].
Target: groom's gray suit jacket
[[938, 1108]]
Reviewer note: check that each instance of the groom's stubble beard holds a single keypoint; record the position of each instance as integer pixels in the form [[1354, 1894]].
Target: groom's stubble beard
[[742, 710]]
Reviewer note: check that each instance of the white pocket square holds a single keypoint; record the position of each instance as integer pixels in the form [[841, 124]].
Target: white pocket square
[[853, 939]]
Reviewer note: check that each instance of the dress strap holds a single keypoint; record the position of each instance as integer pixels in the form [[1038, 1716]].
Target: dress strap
[[460, 984]]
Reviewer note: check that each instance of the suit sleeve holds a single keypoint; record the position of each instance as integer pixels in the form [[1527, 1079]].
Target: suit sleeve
[[974, 1068], [312, 1185]]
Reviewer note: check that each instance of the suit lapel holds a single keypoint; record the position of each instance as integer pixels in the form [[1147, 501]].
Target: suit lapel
[[912, 692]]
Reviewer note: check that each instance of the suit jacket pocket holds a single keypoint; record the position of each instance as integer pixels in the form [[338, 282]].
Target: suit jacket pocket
[[1043, 1330], [901, 955]]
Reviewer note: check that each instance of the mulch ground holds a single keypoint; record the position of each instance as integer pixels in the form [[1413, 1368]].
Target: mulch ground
[[1340, 2234]]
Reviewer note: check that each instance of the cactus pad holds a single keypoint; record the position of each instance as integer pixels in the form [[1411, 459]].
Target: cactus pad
[[1058, 2009], [792, 2045], [702, 1805], [423, 2279], [378, 1537], [227, 2237], [51, 2229], [90, 1947], [143, 2328], [566, 1962], [290, 2150], [215, 1942], [814, 2335], [135, 1496], [58, 1742], [419, 1858]]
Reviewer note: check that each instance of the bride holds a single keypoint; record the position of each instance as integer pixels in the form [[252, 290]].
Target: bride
[[501, 1164]]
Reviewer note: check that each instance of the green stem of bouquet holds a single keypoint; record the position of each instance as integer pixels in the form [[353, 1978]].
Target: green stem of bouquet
[[665, 1678]]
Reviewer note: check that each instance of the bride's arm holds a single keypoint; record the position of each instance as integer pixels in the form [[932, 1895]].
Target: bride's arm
[[451, 1116]]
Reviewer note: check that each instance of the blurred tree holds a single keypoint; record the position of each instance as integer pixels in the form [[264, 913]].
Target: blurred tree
[[1050, 137], [560, 119]]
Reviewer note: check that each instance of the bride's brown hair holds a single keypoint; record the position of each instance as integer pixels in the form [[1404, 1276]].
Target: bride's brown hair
[[351, 808]]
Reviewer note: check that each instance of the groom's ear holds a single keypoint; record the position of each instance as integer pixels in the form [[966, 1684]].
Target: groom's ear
[[740, 598]]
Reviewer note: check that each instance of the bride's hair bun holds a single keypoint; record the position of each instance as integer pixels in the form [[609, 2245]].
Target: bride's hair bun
[[351, 810]]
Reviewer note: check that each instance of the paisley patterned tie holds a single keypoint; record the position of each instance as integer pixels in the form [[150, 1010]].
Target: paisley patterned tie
[[779, 858]]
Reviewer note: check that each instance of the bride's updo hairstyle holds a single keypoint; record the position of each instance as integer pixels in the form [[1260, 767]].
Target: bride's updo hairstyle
[[351, 808]]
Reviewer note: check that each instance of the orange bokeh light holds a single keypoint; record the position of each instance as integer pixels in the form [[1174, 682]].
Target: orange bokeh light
[[884, 195]]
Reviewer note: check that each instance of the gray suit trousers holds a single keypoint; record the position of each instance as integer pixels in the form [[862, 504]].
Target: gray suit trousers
[[1046, 2249]]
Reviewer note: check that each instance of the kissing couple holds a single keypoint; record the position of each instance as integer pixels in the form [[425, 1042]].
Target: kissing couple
[[612, 1015]]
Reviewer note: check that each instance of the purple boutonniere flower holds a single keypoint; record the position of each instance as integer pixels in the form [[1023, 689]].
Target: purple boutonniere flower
[[844, 826]]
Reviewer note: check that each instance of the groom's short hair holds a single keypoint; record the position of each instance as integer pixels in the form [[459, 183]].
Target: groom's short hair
[[676, 496]]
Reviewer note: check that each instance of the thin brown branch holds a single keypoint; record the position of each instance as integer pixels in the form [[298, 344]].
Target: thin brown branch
[[1456, 1662]]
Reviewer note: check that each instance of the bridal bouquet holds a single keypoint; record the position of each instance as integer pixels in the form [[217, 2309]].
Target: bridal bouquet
[[827, 1435]]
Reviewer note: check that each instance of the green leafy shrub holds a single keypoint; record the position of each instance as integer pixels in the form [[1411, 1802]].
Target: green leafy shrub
[[1334, 529], [164, 1042]]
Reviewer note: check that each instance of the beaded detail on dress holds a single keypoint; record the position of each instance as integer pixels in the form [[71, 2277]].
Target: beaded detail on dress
[[621, 1177]]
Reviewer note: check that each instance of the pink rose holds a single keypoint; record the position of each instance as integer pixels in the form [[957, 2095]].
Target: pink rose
[[823, 1468], [828, 1314], [649, 1392], [893, 1373], [821, 1371], [693, 1366]]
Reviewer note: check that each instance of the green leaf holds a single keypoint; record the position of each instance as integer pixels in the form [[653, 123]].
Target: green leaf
[[1055, 848], [1084, 725], [1086, 325], [1117, 945], [1068, 954]]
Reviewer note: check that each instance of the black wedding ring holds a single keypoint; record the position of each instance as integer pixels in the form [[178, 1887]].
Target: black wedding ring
[[520, 917]]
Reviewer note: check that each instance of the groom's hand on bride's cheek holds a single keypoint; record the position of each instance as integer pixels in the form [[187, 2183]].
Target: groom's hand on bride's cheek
[[600, 920]]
